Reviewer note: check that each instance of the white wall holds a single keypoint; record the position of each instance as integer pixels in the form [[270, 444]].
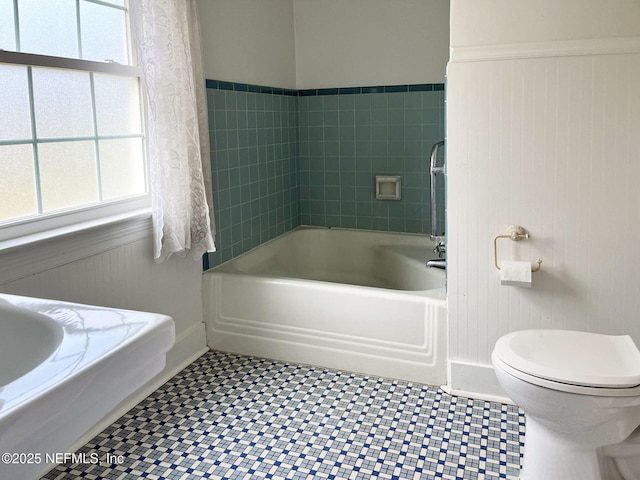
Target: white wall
[[330, 43], [248, 41], [496, 22], [344, 43], [548, 140]]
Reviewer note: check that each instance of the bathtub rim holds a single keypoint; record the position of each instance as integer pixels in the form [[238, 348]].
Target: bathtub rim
[[318, 227], [438, 293]]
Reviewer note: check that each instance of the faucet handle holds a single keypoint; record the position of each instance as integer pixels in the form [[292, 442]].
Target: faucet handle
[[440, 249]]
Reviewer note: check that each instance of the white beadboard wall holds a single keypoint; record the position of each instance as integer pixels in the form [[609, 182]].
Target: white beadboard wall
[[551, 143]]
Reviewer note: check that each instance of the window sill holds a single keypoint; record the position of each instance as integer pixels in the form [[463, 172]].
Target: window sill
[[38, 252]]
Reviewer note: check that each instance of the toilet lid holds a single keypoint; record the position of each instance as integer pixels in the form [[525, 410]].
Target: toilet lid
[[571, 357]]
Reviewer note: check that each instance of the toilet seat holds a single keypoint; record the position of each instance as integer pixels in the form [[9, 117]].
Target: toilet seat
[[572, 361]]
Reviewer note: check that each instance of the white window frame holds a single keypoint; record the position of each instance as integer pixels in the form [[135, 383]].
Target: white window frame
[[44, 226]]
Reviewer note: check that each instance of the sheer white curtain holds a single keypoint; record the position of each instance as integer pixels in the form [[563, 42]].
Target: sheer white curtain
[[169, 51]]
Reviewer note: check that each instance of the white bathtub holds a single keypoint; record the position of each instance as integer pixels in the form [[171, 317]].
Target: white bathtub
[[63, 367], [347, 299]]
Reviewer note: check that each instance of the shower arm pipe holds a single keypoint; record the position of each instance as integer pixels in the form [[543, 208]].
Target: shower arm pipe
[[434, 170]]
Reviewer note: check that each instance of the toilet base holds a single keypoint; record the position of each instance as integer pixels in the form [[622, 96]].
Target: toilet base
[[622, 461], [549, 456]]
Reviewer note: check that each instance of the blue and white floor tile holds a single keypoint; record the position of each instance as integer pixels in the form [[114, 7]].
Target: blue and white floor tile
[[235, 417]]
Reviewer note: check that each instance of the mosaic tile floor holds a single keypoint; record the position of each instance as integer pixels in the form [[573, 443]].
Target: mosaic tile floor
[[234, 417]]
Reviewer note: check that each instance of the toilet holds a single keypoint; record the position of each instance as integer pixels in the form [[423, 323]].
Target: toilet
[[580, 393]]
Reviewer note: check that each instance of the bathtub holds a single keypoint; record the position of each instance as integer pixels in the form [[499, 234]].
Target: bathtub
[[352, 300], [63, 367]]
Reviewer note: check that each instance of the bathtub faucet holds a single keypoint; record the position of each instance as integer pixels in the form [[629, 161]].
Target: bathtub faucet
[[440, 249], [440, 263]]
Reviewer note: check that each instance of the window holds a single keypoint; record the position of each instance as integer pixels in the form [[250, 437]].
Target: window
[[71, 129]]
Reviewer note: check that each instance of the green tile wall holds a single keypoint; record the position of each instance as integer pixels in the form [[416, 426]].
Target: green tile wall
[[283, 158], [254, 153], [345, 140]]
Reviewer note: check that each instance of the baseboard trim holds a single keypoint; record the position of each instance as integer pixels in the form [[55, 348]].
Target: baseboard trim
[[474, 381], [476, 396]]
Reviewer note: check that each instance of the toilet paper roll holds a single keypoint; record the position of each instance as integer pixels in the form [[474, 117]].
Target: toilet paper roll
[[515, 274]]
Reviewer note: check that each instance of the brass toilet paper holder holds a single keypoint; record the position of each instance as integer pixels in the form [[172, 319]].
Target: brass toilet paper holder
[[515, 233]]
